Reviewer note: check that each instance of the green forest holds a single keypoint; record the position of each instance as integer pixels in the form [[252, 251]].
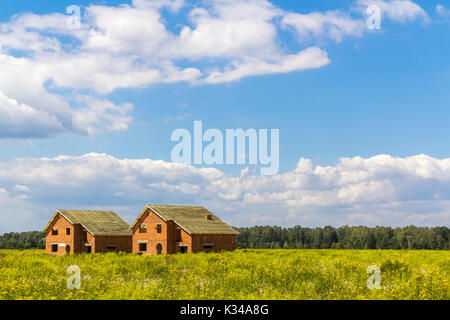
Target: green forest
[[411, 237], [23, 240], [266, 237]]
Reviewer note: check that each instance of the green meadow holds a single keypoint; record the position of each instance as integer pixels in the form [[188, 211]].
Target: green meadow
[[242, 274]]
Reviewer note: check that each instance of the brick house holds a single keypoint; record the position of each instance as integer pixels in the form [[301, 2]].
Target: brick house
[[180, 229], [72, 231]]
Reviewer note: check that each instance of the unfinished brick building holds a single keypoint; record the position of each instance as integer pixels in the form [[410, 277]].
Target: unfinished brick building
[[180, 229], [72, 231]]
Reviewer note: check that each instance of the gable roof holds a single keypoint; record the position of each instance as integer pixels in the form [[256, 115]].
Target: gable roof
[[98, 223], [191, 219]]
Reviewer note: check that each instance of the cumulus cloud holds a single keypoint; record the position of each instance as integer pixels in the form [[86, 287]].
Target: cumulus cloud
[[97, 114], [442, 11], [382, 189], [333, 24], [307, 59], [397, 10], [133, 46], [21, 120]]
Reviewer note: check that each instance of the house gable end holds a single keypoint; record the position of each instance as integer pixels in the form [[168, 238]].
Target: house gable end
[[176, 222], [56, 217], [144, 213]]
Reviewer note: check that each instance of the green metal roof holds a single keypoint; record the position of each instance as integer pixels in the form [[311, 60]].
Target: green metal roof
[[191, 219], [98, 223]]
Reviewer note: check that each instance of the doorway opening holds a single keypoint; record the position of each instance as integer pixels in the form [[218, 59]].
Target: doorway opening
[[183, 249], [158, 248]]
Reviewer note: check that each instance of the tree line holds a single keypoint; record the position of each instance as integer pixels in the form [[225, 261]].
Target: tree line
[[411, 237], [23, 240], [298, 237]]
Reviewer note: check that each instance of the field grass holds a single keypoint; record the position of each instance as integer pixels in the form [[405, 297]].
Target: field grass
[[242, 274]]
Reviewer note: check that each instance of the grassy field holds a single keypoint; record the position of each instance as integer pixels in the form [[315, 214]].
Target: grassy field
[[243, 274]]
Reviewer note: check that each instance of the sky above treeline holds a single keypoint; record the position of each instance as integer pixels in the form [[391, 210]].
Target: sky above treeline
[[91, 92]]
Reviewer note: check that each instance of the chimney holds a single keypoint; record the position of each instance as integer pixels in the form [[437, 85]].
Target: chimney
[[208, 216]]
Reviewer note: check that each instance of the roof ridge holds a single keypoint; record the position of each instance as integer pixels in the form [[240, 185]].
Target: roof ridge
[[190, 220], [97, 222], [85, 210], [175, 205]]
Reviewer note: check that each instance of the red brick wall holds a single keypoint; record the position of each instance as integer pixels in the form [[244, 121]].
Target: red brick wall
[[168, 237], [61, 223], [78, 245], [123, 244], [90, 240], [74, 240], [186, 239], [220, 241], [77, 242]]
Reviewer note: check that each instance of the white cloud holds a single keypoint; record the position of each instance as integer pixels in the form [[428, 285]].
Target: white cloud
[[332, 24], [37, 112], [378, 190], [397, 10], [173, 5], [18, 214], [125, 28], [233, 28], [310, 58], [21, 120], [98, 114], [134, 46], [22, 188], [442, 11]]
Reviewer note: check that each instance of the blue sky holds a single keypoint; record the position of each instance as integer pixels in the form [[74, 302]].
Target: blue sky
[[382, 92]]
